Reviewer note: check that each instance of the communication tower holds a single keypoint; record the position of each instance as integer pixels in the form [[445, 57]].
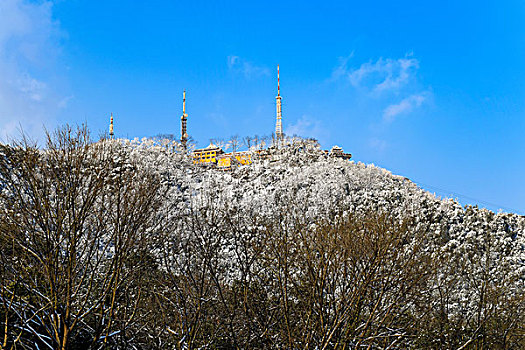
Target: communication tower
[[111, 134], [183, 122], [278, 122]]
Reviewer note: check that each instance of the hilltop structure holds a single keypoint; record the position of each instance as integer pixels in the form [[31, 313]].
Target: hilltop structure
[[337, 152], [207, 155], [111, 134], [278, 123], [215, 155]]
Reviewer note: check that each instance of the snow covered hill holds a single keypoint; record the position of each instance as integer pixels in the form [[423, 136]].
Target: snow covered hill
[[297, 250], [317, 185]]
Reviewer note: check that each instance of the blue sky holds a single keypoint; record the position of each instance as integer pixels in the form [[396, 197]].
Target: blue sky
[[429, 90]]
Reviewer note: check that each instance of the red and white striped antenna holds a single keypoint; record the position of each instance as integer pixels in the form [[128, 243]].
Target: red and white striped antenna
[[278, 121], [278, 85]]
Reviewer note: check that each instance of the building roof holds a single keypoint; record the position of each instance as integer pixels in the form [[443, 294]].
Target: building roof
[[210, 147]]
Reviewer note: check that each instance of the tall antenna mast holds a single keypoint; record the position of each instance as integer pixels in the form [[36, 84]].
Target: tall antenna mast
[[183, 122], [278, 122], [111, 126]]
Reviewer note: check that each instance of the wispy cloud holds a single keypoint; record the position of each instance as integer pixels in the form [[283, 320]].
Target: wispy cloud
[[34, 90], [28, 47], [388, 86], [63, 103], [382, 75], [342, 68], [405, 106], [248, 69], [377, 144], [307, 127]]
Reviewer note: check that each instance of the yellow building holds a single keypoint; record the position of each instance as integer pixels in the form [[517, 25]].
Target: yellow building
[[226, 160], [207, 155]]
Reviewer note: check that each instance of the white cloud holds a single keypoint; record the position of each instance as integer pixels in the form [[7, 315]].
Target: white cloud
[[28, 49], [398, 74], [65, 101], [248, 69], [405, 106], [307, 127], [392, 84], [382, 75], [33, 89], [377, 144], [342, 69]]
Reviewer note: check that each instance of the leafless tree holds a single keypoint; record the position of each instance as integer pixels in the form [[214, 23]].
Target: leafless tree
[[76, 218], [235, 143], [247, 142]]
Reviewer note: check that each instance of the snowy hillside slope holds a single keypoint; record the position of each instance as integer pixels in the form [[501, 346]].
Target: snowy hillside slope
[[479, 242], [317, 184]]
